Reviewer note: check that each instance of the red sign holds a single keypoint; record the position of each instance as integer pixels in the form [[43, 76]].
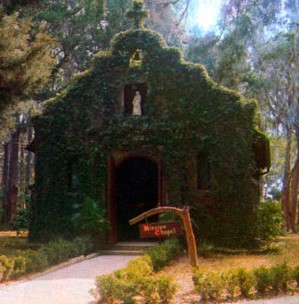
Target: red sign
[[160, 229]]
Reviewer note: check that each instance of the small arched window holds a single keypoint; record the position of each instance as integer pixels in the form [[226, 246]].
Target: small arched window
[[136, 59], [203, 171]]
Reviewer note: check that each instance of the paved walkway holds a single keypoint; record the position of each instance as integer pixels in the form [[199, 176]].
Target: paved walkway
[[282, 300], [69, 285]]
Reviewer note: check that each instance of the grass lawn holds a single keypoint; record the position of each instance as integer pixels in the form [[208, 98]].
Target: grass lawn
[[287, 251]]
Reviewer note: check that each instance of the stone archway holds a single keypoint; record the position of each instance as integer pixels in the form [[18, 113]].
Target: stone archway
[[134, 188]]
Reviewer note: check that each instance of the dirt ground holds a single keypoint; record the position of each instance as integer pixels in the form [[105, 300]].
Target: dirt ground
[[181, 272]]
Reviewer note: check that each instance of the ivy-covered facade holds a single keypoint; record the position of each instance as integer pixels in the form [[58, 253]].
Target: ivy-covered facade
[[190, 142]]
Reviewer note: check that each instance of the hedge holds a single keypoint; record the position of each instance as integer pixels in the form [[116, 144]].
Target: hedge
[[242, 283], [29, 261]]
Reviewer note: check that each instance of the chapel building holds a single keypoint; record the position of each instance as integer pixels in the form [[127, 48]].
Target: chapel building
[[144, 128]]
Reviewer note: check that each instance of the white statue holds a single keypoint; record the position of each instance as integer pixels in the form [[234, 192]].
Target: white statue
[[137, 104]]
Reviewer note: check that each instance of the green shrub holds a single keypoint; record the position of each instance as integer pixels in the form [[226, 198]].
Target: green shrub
[[115, 288], [136, 281], [21, 221], [274, 279], [246, 281], [231, 284], [148, 291], [58, 251], [263, 279], [166, 288], [174, 248], [19, 266], [12, 267], [269, 220], [2, 270], [89, 218], [162, 254], [7, 267], [82, 245], [142, 266], [155, 289], [295, 275], [210, 285], [280, 274], [36, 260], [205, 249], [1, 213], [158, 256], [112, 289], [55, 252], [29, 260], [214, 286]]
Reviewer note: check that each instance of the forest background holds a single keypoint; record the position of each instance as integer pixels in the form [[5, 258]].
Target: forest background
[[253, 48]]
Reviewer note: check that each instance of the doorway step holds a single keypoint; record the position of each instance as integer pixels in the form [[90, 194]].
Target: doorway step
[[128, 248]]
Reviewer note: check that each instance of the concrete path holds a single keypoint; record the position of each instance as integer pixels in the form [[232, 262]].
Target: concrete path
[[69, 285], [282, 300]]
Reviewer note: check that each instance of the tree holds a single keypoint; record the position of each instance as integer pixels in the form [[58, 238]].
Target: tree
[[11, 190], [25, 59], [280, 72], [83, 28], [17, 166], [255, 51], [25, 53]]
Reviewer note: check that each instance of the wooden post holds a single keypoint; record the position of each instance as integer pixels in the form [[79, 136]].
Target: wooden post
[[184, 214], [191, 242]]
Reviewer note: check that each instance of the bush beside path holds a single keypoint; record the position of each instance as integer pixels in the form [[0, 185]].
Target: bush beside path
[[70, 285]]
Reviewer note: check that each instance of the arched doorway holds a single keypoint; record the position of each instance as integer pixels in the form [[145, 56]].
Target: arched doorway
[[137, 180]]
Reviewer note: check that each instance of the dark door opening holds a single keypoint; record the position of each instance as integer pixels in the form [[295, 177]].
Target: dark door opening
[[137, 192]]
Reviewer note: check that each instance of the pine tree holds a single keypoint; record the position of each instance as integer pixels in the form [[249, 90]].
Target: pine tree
[[25, 59]]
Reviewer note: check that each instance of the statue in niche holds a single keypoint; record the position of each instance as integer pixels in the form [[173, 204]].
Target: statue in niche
[[137, 104]]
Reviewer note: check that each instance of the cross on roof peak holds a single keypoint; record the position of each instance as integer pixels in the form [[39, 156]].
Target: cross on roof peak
[[137, 14]]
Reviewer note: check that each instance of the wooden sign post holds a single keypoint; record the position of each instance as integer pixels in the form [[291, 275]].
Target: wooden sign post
[[184, 214]]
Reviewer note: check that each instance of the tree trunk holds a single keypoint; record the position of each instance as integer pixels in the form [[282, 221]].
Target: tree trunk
[[21, 161], [294, 184], [6, 151], [13, 174], [285, 200], [28, 155]]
